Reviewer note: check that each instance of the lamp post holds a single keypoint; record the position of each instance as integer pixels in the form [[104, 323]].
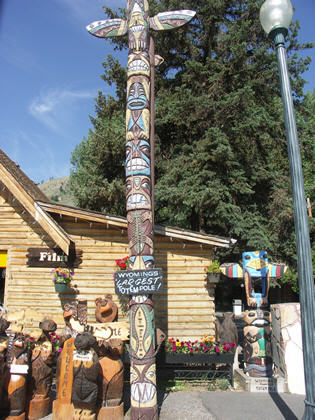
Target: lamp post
[[275, 18]]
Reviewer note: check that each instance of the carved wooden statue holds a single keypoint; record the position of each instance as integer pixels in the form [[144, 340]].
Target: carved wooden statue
[[139, 185], [75, 316], [112, 368], [256, 273], [86, 374], [257, 343], [16, 378], [4, 324], [228, 330], [42, 372], [106, 310]]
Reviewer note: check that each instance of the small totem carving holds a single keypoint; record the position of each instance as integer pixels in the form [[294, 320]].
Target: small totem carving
[[75, 316], [256, 273]]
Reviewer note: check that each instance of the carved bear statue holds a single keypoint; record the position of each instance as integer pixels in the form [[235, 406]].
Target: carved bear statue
[[106, 310], [228, 330], [4, 324]]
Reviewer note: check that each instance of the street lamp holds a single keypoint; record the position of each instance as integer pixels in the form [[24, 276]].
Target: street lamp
[[275, 18]]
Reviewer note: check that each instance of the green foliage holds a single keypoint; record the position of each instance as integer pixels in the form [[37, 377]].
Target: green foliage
[[221, 162]]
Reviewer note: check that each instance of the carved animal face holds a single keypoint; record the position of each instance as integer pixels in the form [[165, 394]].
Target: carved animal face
[[143, 389], [106, 309], [43, 349], [257, 318], [255, 263]]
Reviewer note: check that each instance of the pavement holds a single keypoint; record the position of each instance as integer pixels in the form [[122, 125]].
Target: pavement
[[200, 404]]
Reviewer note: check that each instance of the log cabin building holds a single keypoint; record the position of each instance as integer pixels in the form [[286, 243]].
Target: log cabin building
[[35, 233]]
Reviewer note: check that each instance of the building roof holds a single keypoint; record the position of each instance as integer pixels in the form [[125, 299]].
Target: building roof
[[41, 208]]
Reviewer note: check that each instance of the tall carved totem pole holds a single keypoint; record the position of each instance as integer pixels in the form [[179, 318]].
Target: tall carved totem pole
[[139, 186]]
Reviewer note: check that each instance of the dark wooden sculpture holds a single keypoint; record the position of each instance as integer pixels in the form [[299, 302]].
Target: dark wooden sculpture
[[16, 377], [42, 372], [86, 374], [106, 310], [4, 324], [228, 330], [75, 316], [112, 368]]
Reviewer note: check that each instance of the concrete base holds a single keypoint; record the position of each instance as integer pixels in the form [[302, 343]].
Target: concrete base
[[251, 384]]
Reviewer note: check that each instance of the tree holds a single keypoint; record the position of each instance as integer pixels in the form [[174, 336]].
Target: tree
[[221, 160]]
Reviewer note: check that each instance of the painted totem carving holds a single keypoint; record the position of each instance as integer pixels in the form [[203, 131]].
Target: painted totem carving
[[75, 316], [256, 273], [139, 184]]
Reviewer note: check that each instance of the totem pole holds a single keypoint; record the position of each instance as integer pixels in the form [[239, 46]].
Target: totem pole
[[139, 185], [256, 273]]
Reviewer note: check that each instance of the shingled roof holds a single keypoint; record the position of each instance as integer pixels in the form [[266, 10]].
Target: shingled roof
[[29, 186]]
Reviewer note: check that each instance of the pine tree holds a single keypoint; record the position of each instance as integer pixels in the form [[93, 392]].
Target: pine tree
[[221, 161]]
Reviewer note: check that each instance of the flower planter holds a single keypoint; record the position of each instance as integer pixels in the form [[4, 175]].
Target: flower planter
[[195, 358], [61, 287], [213, 278]]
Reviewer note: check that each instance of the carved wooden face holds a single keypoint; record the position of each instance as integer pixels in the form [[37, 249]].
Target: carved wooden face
[[138, 193], [257, 318], [138, 158], [138, 93], [138, 63], [138, 24], [255, 263], [143, 389]]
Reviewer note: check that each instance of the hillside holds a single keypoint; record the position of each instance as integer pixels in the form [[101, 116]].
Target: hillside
[[58, 190]]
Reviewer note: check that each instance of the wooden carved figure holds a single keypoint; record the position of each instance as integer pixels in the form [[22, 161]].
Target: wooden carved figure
[[86, 374], [75, 316], [139, 183], [257, 343], [228, 330], [112, 369], [4, 325], [42, 372], [16, 378], [256, 273], [106, 310]]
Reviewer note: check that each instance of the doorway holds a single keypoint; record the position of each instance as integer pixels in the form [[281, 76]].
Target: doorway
[[3, 266]]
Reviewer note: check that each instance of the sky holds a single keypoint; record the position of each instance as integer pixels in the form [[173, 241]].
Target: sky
[[51, 73]]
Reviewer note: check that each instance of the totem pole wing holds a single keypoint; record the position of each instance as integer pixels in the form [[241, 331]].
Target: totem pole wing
[[171, 20], [276, 270], [232, 270], [108, 28]]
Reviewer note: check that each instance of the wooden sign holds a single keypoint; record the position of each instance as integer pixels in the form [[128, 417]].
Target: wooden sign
[[110, 330], [48, 257], [138, 282]]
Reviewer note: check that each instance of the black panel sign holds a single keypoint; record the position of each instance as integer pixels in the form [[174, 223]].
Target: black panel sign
[[138, 282], [48, 257]]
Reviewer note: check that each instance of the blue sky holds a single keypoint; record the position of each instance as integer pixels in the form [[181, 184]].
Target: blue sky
[[50, 75]]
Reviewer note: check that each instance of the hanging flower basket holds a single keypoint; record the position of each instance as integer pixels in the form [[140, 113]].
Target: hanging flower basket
[[61, 287], [62, 278], [213, 278]]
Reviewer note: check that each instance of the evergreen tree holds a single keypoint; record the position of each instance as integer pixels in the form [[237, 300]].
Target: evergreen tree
[[221, 161]]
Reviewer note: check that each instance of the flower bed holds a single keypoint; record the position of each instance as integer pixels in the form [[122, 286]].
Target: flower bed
[[205, 346]]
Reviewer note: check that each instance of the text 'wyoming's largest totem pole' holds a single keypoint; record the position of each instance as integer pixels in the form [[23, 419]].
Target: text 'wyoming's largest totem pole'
[[139, 186]]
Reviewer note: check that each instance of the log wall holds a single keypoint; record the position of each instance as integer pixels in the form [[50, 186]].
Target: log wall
[[185, 310]]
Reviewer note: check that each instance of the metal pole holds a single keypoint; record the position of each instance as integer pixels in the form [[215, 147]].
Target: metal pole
[[305, 271]]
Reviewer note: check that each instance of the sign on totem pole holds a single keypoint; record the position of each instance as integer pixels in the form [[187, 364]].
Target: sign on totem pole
[[138, 282], [139, 188]]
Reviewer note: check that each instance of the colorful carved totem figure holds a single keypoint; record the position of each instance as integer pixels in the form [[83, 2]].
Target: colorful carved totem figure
[[256, 272], [139, 183]]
